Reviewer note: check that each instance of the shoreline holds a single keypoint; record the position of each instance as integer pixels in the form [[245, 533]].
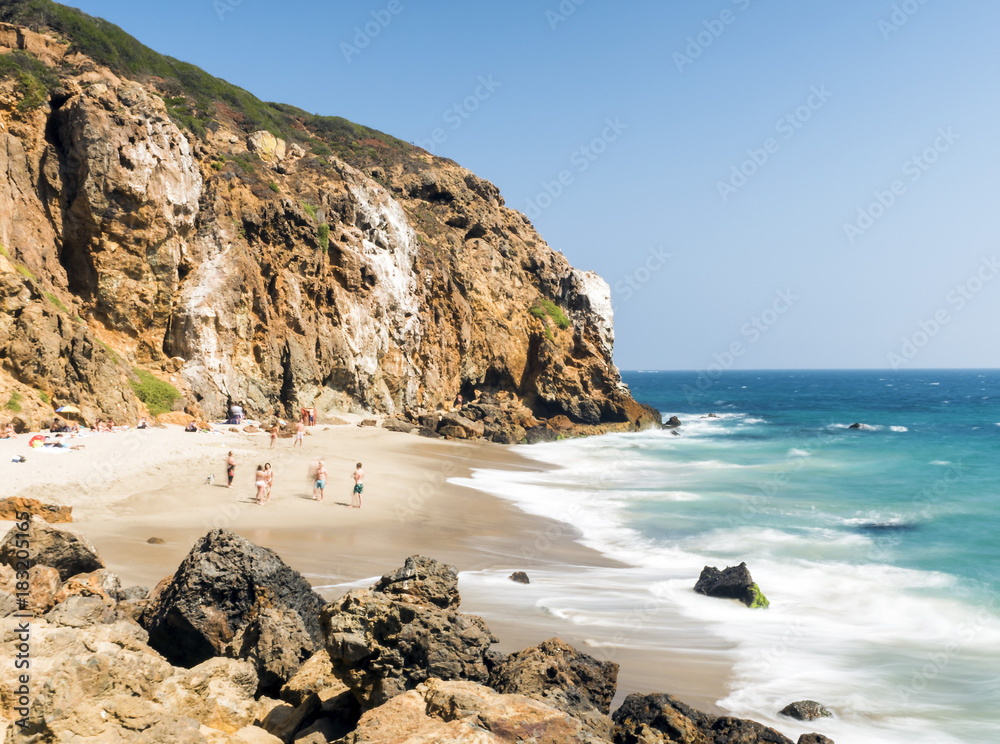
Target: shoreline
[[128, 487]]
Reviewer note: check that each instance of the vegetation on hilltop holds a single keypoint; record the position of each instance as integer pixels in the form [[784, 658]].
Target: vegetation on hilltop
[[199, 101]]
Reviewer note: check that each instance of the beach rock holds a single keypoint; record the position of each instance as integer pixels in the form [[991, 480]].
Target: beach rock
[[276, 642], [134, 593], [43, 585], [520, 577], [14, 505], [250, 429], [672, 423], [381, 647], [218, 693], [156, 541], [466, 713], [81, 612], [67, 552], [459, 427], [422, 580], [537, 434], [734, 582], [814, 739], [559, 675], [219, 588], [396, 423], [102, 584], [315, 674], [368, 422], [805, 710], [284, 720], [662, 719], [728, 730]]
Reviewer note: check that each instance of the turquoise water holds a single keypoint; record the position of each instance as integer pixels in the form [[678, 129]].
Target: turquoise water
[[877, 546]]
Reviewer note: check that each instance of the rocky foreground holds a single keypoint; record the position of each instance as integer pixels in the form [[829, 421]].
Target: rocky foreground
[[236, 648]]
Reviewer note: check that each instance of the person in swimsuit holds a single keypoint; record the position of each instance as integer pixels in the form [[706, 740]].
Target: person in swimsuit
[[230, 468], [274, 436], [261, 483], [300, 429], [320, 483], [269, 477], [359, 485]]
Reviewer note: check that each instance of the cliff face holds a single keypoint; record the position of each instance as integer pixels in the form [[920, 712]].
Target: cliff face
[[246, 268]]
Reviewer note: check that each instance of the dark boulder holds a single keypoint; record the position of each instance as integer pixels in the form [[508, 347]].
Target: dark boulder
[[662, 719], [672, 423], [814, 739], [656, 718], [276, 643], [67, 552], [536, 434], [734, 582], [422, 580], [222, 585], [805, 710], [557, 674], [728, 730], [520, 577], [381, 647]]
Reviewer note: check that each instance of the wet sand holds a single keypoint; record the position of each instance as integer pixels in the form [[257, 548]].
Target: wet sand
[[128, 487]]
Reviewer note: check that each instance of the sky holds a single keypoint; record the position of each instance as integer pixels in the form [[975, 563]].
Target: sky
[[764, 185]]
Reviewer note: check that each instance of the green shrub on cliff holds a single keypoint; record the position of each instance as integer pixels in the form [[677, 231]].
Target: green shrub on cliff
[[56, 301], [547, 308], [34, 78], [323, 234], [13, 404], [158, 395]]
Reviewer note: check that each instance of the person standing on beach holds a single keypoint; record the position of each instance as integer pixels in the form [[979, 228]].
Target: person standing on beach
[[269, 479], [261, 483], [320, 483], [230, 468], [274, 436], [359, 485], [300, 429]]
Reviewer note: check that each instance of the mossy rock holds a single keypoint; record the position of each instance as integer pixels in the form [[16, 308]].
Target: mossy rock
[[759, 600]]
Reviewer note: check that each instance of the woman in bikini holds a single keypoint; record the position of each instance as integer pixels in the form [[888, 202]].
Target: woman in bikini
[[269, 477], [261, 483]]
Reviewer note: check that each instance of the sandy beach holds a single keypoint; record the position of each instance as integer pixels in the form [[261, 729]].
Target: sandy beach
[[127, 487]]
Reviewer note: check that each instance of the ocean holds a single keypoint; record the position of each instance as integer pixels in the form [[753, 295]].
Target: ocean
[[877, 546]]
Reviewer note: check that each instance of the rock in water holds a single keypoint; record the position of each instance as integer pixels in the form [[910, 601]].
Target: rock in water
[[805, 710], [520, 577], [814, 739], [733, 583], [559, 675], [68, 553], [422, 580], [223, 584]]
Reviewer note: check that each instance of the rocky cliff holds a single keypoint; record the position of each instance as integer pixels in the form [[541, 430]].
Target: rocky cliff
[[154, 218]]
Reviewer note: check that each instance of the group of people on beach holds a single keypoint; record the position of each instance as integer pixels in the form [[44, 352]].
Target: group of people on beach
[[264, 481]]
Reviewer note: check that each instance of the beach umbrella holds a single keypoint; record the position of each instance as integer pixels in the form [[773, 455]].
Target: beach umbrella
[[68, 409]]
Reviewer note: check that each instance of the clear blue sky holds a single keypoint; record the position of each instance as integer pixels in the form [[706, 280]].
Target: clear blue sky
[[701, 89]]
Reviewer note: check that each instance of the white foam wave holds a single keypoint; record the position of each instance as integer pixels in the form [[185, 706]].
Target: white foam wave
[[795, 452], [842, 627], [898, 428], [940, 462]]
